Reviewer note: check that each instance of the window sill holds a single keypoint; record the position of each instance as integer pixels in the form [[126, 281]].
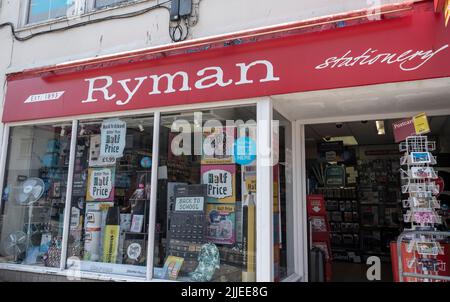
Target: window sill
[[293, 278], [69, 274], [93, 14]]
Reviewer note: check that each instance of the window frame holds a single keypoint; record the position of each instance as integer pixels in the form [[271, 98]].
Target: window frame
[[264, 249], [27, 12], [86, 8], [92, 4]]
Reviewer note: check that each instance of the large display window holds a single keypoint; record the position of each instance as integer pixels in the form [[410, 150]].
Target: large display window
[[206, 203], [111, 195], [33, 199], [168, 196]]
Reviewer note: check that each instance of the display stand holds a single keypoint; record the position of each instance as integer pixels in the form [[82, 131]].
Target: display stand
[[320, 230], [420, 254]]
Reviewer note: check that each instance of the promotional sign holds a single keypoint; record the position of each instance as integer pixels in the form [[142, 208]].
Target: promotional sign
[[218, 146], [418, 125], [100, 184], [189, 203], [245, 151], [421, 124], [113, 138], [248, 182], [335, 176], [406, 48], [221, 181], [331, 151], [402, 129], [95, 159], [316, 205]]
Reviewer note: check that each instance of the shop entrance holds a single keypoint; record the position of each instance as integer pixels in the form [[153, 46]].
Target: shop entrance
[[355, 166], [365, 211]]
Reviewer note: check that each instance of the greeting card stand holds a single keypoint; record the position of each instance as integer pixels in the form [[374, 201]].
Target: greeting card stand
[[421, 252]]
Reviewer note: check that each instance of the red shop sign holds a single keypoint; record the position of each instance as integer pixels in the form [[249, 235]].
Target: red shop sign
[[402, 49]]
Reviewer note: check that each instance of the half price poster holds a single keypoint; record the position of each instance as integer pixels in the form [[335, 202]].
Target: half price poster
[[113, 138], [100, 184]]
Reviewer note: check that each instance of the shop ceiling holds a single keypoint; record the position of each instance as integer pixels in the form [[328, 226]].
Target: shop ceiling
[[366, 133], [385, 101]]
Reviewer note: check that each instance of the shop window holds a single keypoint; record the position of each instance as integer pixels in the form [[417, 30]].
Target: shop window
[[111, 195], [205, 218], [283, 198], [33, 199], [42, 10]]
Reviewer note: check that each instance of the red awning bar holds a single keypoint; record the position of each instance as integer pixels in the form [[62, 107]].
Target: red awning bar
[[240, 37]]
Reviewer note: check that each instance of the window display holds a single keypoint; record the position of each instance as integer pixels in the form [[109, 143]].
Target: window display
[[111, 195], [205, 200], [205, 220], [34, 194]]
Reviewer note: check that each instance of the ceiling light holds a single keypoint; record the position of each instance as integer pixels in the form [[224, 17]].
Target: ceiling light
[[63, 131], [380, 127], [346, 140], [141, 128]]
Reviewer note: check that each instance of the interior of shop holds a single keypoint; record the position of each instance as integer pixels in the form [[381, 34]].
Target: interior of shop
[[356, 167]]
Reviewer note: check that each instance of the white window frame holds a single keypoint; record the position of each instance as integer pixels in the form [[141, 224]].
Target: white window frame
[[90, 4], [26, 14], [264, 192], [85, 8], [264, 250]]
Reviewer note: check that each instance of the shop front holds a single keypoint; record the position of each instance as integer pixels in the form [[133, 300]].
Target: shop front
[[190, 163]]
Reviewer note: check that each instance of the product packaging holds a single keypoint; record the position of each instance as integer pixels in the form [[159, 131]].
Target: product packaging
[[111, 235]]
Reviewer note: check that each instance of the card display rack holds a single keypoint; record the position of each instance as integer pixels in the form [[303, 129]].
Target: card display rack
[[420, 207]]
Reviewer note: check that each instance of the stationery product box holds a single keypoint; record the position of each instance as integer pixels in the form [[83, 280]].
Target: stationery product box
[[221, 223], [135, 249]]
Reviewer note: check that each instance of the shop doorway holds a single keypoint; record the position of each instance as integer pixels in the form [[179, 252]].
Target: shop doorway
[[355, 166]]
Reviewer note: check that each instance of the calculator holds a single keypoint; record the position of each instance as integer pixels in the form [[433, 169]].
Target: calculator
[[187, 224]]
